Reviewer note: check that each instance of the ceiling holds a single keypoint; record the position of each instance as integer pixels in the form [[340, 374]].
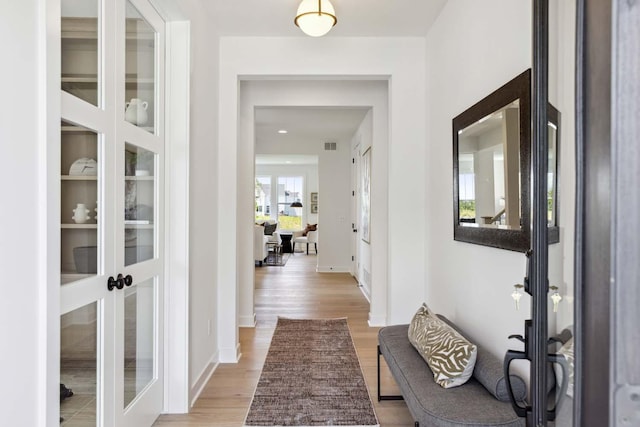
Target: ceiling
[[356, 18], [321, 124], [305, 125]]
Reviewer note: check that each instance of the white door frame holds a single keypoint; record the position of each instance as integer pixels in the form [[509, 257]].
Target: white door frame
[[176, 340]]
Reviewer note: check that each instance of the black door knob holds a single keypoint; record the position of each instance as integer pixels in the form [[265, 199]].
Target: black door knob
[[111, 283], [120, 281], [128, 280]]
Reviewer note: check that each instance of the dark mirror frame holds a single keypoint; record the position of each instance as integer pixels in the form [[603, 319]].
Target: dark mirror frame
[[516, 240]]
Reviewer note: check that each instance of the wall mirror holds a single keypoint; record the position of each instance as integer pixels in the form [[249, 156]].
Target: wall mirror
[[491, 169]]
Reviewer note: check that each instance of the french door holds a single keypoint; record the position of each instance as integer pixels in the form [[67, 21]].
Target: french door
[[111, 254]]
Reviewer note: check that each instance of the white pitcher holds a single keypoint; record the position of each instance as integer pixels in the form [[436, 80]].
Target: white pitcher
[[136, 111], [80, 214]]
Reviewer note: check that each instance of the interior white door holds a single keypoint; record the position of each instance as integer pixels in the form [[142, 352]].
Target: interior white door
[[139, 215], [355, 211], [112, 152]]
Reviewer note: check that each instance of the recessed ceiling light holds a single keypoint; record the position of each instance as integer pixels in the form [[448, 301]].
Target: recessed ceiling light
[[282, 131]]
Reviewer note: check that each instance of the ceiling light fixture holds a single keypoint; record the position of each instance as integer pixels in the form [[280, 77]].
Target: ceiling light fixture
[[282, 131], [316, 17]]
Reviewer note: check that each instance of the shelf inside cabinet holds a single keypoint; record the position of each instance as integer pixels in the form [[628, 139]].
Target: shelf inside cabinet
[[131, 79], [79, 226], [79, 78], [139, 226], [79, 28], [139, 178], [79, 178], [91, 79], [87, 29]]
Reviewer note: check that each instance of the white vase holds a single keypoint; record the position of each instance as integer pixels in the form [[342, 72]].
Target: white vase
[[136, 111], [80, 214]]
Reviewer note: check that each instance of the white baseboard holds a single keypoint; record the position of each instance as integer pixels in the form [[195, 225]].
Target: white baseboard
[[230, 355], [333, 269], [203, 379], [377, 321], [247, 321], [365, 292]]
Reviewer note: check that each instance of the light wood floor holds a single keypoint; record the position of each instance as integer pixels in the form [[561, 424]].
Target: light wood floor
[[296, 291]]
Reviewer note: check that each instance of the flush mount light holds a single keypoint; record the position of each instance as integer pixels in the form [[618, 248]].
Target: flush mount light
[[282, 131], [316, 17]]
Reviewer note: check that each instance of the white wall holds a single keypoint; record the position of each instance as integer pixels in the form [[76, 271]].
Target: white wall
[[402, 61], [29, 306], [468, 283], [203, 288], [471, 284]]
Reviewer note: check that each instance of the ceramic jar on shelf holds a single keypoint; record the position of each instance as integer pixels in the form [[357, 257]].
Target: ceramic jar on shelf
[[80, 214], [136, 111]]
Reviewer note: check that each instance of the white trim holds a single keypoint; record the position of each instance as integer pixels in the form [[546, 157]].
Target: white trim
[[365, 292], [247, 321], [230, 355], [376, 321], [203, 379], [47, 257], [176, 379]]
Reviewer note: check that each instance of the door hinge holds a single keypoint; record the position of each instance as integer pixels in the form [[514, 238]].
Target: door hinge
[[353, 193], [353, 160], [353, 258]]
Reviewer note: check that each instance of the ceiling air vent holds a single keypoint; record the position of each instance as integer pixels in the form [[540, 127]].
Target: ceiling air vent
[[330, 146]]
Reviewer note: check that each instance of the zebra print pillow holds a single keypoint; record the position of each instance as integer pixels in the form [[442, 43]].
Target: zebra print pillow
[[449, 355]]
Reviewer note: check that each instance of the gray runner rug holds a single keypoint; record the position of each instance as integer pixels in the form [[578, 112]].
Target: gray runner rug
[[311, 377]]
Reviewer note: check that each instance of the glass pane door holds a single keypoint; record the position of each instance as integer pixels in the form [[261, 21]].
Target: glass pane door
[[139, 339], [140, 150], [81, 49], [79, 379], [140, 108], [79, 202], [139, 204], [110, 202]]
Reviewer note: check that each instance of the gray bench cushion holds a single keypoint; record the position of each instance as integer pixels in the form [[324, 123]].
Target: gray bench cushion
[[432, 405], [490, 373]]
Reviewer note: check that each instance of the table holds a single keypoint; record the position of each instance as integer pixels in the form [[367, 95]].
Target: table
[[286, 242], [275, 253]]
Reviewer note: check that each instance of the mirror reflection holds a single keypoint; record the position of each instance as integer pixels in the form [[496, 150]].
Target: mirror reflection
[[489, 170]]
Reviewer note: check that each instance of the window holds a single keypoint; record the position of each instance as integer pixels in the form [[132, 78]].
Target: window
[[290, 189], [263, 198], [466, 192]]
